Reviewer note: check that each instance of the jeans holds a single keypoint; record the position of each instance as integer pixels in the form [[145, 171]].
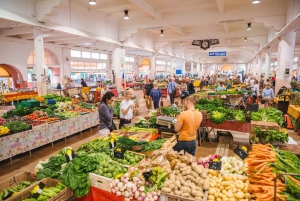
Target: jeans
[[124, 121], [156, 105], [187, 146], [172, 97], [148, 102]]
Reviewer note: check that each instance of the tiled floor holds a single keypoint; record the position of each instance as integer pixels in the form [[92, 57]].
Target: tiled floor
[[26, 162]]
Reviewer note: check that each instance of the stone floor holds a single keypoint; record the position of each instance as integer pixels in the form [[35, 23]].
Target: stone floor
[[26, 162]]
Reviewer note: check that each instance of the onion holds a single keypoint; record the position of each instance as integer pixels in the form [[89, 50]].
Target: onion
[[154, 193], [126, 175], [116, 188], [155, 197], [126, 199], [140, 199], [136, 194], [129, 185], [111, 185], [116, 181], [158, 193], [135, 179], [130, 197], [126, 194], [119, 193], [120, 185], [149, 195], [142, 189], [113, 190], [143, 194]]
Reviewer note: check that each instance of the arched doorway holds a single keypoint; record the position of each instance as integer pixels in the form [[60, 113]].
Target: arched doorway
[[51, 61], [226, 69], [11, 76], [144, 67]]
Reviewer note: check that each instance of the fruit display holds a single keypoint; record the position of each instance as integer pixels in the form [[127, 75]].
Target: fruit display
[[130, 158], [4, 130], [110, 169]]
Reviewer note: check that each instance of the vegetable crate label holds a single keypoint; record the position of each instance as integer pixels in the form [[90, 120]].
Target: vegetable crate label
[[241, 152], [147, 175], [215, 165], [118, 153], [70, 155], [38, 190]]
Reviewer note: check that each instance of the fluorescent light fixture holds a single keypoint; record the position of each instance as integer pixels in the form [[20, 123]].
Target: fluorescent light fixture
[[92, 2], [249, 27], [126, 16], [162, 33], [180, 43], [255, 1], [245, 39]]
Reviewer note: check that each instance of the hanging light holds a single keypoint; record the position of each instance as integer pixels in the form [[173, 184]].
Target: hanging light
[[162, 33], [92, 2], [245, 39], [255, 1], [126, 16], [249, 27], [180, 43]]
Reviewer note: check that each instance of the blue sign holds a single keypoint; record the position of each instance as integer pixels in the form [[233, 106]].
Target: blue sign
[[178, 72], [214, 54]]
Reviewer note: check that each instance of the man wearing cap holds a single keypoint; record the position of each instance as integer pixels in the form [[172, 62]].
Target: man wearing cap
[[187, 125]]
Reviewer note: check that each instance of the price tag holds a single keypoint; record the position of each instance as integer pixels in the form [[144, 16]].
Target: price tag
[[241, 152], [215, 165], [147, 175], [38, 190], [70, 155], [112, 144], [118, 153]]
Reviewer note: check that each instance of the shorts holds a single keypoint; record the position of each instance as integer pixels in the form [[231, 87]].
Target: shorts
[[268, 99]]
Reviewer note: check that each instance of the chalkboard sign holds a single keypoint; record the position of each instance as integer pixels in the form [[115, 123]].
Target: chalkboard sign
[[215, 165], [69, 155], [118, 153], [38, 190], [147, 175], [112, 144], [241, 152]]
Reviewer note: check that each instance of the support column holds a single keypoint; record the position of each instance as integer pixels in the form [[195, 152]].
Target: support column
[[40, 69], [285, 60], [298, 67], [172, 70], [153, 66], [192, 68], [183, 68], [259, 66], [65, 70], [198, 69], [118, 65], [267, 65]]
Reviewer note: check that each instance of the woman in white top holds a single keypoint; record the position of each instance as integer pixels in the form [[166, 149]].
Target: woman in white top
[[267, 95], [104, 90], [127, 109], [255, 91]]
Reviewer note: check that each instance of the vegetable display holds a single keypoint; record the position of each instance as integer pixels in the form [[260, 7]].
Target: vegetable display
[[217, 117], [130, 158], [271, 135], [4, 194], [210, 105], [153, 145], [233, 165], [17, 126], [268, 114], [110, 169], [4, 130], [172, 110]]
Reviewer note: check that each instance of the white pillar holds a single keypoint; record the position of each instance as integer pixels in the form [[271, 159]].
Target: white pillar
[[40, 69], [172, 70], [153, 67], [183, 68], [267, 65], [259, 66], [298, 67], [118, 65], [198, 69], [192, 68], [65, 69]]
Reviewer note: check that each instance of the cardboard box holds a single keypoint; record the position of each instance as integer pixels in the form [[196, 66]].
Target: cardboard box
[[100, 182]]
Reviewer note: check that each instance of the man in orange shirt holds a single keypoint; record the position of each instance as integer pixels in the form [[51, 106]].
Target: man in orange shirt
[[187, 125]]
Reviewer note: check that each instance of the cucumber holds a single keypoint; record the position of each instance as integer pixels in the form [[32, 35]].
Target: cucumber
[[5, 193]]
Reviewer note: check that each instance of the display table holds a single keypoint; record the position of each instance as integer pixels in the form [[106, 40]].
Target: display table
[[294, 111], [12, 145], [15, 96], [232, 125], [97, 194], [165, 92]]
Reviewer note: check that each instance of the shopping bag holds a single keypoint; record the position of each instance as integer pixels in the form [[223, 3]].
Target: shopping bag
[[168, 97], [161, 103]]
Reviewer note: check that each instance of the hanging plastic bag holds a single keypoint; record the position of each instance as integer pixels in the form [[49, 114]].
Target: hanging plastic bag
[[168, 97]]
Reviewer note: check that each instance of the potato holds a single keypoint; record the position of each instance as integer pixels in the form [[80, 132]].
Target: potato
[[211, 197], [185, 195], [171, 186], [200, 183], [177, 183], [199, 189], [181, 165], [212, 172], [178, 192], [197, 168], [167, 183], [166, 190], [185, 189], [205, 184], [187, 172], [190, 177], [196, 193], [198, 198], [219, 199], [194, 174], [185, 168]]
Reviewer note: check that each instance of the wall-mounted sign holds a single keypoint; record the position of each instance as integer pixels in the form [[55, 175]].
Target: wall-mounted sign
[[205, 44], [215, 54]]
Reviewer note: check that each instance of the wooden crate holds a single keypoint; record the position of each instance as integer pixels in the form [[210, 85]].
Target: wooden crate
[[13, 181], [225, 139], [168, 135], [63, 195], [264, 125]]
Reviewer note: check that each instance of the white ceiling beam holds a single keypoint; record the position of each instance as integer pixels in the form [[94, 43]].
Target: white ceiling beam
[[58, 38], [16, 31], [78, 40], [221, 4], [226, 27], [142, 4], [26, 36], [174, 6], [109, 4], [178, 30]]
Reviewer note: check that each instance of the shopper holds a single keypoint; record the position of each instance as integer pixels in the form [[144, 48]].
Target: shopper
[[104, 89], [190, 86], [252, 82], [255, 91], [106, 111], [172, 90], [155, 95], [267, 95], [58, 86], [127, 109], [183, 87], [83, 83], [147, 90], [187, 125]]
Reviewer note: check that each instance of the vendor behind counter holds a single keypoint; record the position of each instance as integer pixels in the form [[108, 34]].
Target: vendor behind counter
[[187, 125]]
